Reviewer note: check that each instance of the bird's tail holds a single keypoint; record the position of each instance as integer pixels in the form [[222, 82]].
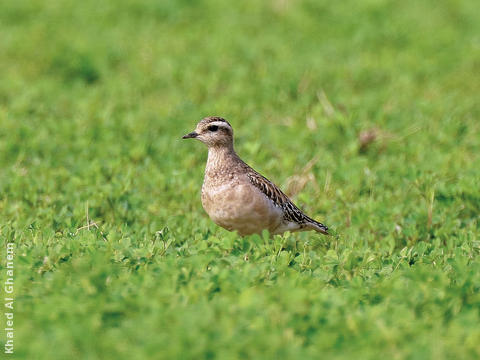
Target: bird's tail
[[318, 227]]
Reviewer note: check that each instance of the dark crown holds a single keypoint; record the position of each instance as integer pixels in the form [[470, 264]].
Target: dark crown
[[214, 118], [210, 119]]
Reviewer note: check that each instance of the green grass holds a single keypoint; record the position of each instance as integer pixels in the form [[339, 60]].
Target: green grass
[[94, 97]]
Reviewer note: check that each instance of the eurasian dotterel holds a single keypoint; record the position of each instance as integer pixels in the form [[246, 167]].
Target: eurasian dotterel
[[238, 198]]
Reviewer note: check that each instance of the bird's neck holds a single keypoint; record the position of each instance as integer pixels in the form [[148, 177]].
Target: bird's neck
[[219, 159]]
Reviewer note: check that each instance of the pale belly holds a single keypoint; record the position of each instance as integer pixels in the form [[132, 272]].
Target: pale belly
[[241, 208]]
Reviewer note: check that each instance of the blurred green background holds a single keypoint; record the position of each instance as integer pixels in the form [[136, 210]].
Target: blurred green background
[[365, 112]]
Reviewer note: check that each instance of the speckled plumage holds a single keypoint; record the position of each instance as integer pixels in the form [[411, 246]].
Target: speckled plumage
[[238, 198]]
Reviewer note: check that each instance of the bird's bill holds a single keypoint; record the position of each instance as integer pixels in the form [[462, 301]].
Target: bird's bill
[[191, 135]]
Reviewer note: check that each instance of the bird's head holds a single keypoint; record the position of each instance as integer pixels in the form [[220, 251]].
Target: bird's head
[[213, 131]]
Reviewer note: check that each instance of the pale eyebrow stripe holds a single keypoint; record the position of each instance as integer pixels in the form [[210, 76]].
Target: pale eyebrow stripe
[[219, 124]]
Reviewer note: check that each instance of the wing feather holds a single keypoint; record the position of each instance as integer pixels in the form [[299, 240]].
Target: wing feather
[[290, 211]]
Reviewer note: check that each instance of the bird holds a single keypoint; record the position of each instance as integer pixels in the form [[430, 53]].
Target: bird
[[238, 198]]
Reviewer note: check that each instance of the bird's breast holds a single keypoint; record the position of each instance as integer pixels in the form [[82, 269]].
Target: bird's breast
[[239, 206]]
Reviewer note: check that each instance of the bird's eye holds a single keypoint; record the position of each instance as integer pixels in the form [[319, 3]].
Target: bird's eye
[[213, 128]]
